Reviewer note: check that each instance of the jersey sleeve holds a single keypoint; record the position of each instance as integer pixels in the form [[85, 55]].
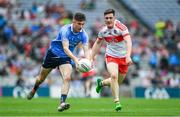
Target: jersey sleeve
[[85, 39], [125, 32], [100, 35], [122, 28], [64, 34]]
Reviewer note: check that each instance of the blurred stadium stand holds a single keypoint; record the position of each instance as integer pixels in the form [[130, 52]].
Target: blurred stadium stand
[[27, 27], [152, 10]]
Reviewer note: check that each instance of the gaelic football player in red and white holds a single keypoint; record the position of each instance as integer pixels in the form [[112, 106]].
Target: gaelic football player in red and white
[[117, 56]]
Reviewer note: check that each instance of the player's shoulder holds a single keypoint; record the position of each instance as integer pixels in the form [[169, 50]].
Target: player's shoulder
[[84, 32], [120, 25], [103, 29], [66, 27]]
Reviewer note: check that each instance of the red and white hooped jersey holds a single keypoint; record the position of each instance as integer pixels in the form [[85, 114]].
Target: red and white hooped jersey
[[116, 46]]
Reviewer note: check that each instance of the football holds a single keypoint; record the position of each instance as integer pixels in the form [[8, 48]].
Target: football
[[84, 65]]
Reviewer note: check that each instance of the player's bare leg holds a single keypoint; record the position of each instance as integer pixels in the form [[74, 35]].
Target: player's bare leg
[[114, 73], [88, 87], [100, 83], [107, 82], [66, 71], [40, 78], [118, 105], [121, 78]]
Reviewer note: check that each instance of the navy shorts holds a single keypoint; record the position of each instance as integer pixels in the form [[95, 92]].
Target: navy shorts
[[52, 61]]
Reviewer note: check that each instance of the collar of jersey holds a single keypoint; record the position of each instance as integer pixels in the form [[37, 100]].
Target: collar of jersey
[[74, 32]]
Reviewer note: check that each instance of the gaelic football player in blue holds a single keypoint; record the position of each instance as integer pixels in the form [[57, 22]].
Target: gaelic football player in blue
[[60, 54]]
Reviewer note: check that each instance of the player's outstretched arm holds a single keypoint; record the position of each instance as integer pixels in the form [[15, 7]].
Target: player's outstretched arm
[[129, 49], [86, 51], [98, 43]]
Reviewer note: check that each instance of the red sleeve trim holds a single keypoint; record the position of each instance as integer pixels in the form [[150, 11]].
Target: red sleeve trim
[[125, 35]]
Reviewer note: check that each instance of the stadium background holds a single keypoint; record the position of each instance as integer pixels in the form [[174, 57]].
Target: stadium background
[[27, 27]]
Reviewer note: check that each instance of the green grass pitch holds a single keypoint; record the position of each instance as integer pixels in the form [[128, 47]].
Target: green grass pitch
[[89, 107]]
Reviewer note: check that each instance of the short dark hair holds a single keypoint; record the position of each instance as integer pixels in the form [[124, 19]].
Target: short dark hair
[[80, 16], [108, 11]]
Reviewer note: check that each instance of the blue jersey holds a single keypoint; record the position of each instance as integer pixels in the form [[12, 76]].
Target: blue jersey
[[66, 34]]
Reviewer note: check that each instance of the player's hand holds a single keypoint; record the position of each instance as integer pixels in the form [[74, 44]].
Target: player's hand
[[76, 62], [129, 61], [91, 61]]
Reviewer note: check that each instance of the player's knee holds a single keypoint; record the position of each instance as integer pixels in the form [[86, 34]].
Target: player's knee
[[68, 78], [114, 76]]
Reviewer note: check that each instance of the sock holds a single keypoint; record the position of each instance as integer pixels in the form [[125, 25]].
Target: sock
[[36, 86], [117, 102], [33, 90], [63, 98]]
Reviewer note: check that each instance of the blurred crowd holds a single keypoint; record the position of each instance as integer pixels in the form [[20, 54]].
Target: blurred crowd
[[156, 54]]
